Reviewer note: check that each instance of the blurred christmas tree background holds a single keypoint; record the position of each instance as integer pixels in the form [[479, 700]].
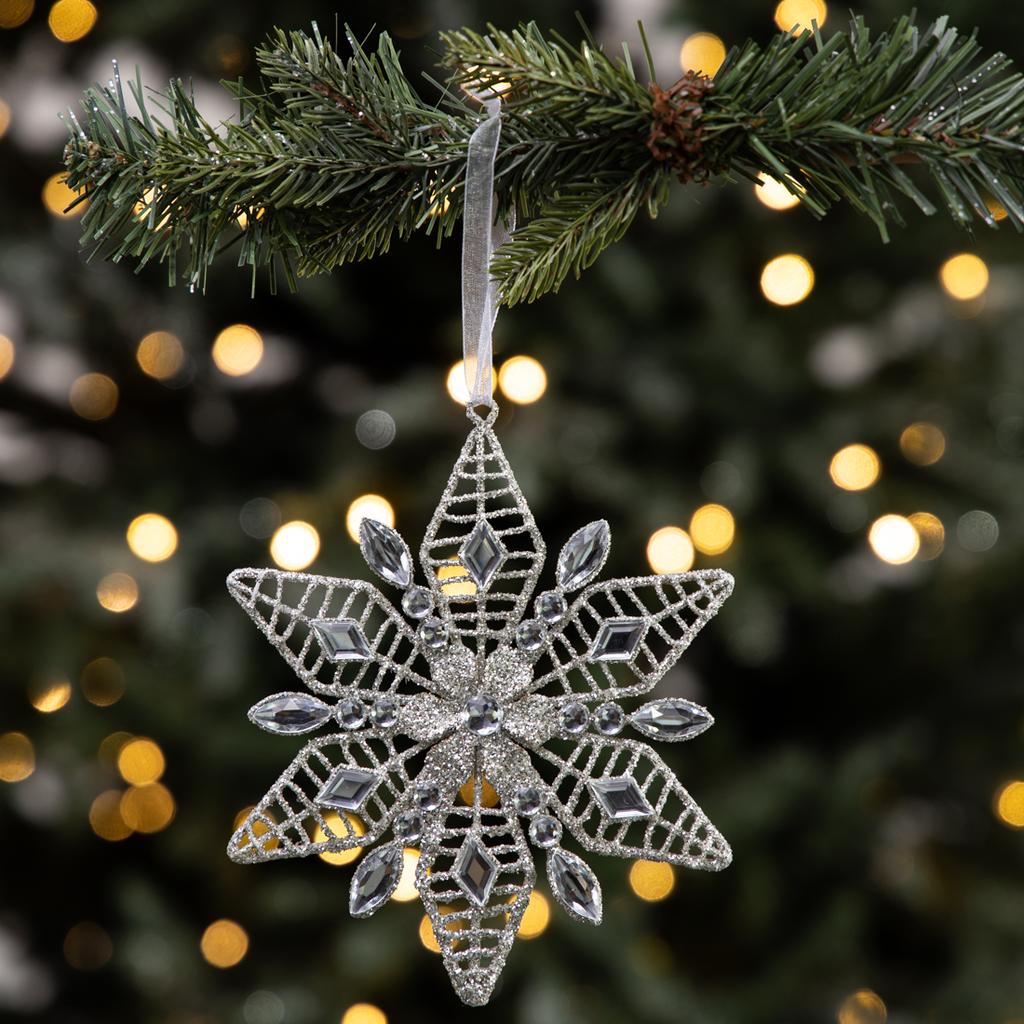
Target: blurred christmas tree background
[[837, 422]]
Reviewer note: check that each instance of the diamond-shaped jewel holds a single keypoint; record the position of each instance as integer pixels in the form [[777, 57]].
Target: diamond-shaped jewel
[[482, 553], [620, 798], [385, 552], [289, 713], [583, 555], [347, 789], [575, 886], [342, 639], [375, 880], [475, 871], [671, 719], [617, 640]]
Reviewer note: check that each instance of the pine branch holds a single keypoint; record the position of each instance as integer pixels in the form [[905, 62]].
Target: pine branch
[[331, 159]]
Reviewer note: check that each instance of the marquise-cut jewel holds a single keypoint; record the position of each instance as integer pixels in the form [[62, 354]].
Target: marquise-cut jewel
[[673, 719], [375, 880], [620, 798], [347, 789], [482, 553], [342, 639], [617, 640], [583, 555], [476, 871], [385, 552], [575, 886], [290, 713]]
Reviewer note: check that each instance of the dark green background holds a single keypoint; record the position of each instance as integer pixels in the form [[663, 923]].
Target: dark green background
[[866, 715]]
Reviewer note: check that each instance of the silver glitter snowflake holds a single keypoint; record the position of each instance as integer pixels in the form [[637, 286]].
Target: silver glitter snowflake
[[463, 687]]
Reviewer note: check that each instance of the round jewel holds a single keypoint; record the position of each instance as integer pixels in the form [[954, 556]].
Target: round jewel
[[610, 719], [408, 826], [428, 796], [545, 831], [417, 602], [530, 635], [483, 715], [351, 713], [574, 718], [385, 712], [550, 606], [434, 633], [528, 800]]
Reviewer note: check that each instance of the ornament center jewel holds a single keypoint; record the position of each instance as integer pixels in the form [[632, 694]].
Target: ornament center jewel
[[483, 715]]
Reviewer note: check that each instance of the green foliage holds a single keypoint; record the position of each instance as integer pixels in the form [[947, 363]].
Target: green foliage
[[331, 159]]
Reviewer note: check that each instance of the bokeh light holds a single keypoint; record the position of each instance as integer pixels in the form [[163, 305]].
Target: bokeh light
[[160, 355], [536, 916], [977, 530], [454, 581], [258, 828], [117, 592], [702, 52], [488, 794], [651, 880], [17, 757], [148, 808], [712, 529], [522, 379], [862, 1007], [670, 549], [774, 194], [427, 936], [14, 13], [455, 382], [894, 539], [1009, 804], [368, 506], [931, 533], [964, 276], [364, 1013], [93, 396], [224, 943], [49, 695], [5, 117], [87, 946], [334, 823], [6, 355], [102, 682], [237, 350], [406, 889], [140, 761], [110, 746], [105, 817], [152, 537], [797, 15], [71, 20], [923, 443], [57, 197], [294, 545], [787, 279], [855, 467]]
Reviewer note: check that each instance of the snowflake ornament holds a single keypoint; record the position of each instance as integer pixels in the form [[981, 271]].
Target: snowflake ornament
[[463, 687]]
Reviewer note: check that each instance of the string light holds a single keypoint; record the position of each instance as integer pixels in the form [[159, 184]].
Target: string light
[[14, 13], [105, 818], [6, 355], [102, 681], [797, 15], [862, 1007], [1010, 804], [224, 943], [294, 545], [536, 916], [787, 279], [237, 350], [117, 592], [152, 537], [712, 529], [931, 532], [456, 383], [71, 20], [148, 808], [17, 757], [522, 379], [702, 52], [87, 947], [258, 827], [334, 823], [894, 539], [923, 443], [50, 696], [964, 276], [57, 197], [855, 467], [140, 761], [368, 506], [774, 194], [427, 936], [406, 889], [93, 396], [651, 880], [670, 549], [364, 1013], [160, 355]]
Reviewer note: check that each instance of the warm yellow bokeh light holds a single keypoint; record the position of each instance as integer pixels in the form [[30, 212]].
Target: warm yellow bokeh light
[[87, 947], [364, 1013], [923, 443], [522, 379], [964, 276], [110, 746], [294, 545], [931, 533], [17, 757], [894, 539], [536, 916], [237, 350], [258, 828], [996, 208], [145, 211], [152, 537], [334, 823], [862, 1007], [797, 15], [148, 808], [427, 936], [117, 592], [105, 817], [140, 761], [160, 355], [50, 695], [224, 943], [787, 279], [102, 681], [5, 118], [774, 194], [488, 794], [463, 587], [670, 550], [93, 396], [1010, 804], [406, 890], [702, 52], [6, 355], [712, 529], [14, 13], [456, 383], [651, 880], [57, 197], [71, 20], [855, 467], [368, 506]]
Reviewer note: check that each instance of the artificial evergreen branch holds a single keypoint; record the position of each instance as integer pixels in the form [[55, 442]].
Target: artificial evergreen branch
[[331, 159]]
